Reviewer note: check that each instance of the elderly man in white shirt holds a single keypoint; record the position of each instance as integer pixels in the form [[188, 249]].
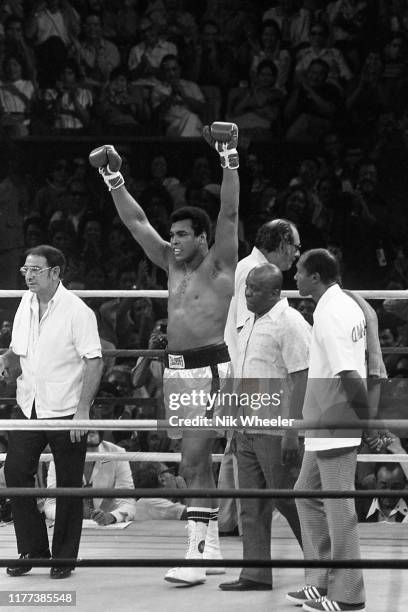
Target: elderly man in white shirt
[[273, 360], [276, 242], [55, 338], [102, 473]]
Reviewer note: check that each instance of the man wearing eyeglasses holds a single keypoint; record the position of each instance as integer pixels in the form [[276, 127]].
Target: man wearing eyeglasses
[[55, 339]]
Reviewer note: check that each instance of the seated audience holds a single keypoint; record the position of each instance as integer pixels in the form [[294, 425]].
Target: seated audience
[[177, 103]]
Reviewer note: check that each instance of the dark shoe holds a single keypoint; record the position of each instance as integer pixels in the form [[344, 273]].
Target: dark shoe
[[60, 572], [245, 585], [20, 570]]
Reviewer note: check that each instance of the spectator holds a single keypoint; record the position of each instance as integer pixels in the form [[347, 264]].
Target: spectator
[[177, 103], [50, 197], [122, 105], [97, 56], [134, 322], [74, 207], [258, 110], [16, 98], [13, 202], [312, 106], [145, 58], [351, 28], [385, 509], [152, 475], [293, 20], [15, 43], [270, 49], [53, 27], [319, 48], [212, 63], [366, 99], [100, 473], [67, 103]]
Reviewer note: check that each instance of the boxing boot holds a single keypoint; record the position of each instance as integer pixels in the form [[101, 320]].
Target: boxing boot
[[212, 548], [189, 576]]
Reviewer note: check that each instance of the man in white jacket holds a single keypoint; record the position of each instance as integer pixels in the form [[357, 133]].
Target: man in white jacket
[[102, 473]]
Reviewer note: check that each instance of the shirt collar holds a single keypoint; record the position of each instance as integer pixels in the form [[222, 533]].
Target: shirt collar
[[55, 298], [400, 507], [274, 313], [331, 292], [259, 256]]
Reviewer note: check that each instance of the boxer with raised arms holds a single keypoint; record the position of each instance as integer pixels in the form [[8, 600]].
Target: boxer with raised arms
[[201, 284]]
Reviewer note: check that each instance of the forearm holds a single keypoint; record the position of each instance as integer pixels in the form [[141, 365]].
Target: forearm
[[10, 359], [91, 380], [128, 209], [230, 193], [297, 396], [356, 392]]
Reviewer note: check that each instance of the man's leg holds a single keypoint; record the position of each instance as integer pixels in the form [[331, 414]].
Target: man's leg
[[196, 468], [313, 521], [338, 472], [69, 467], [256, 513], [277, 477], [228, 513], [23, 455]]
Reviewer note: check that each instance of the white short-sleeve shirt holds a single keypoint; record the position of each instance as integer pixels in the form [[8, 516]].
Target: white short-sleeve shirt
[[338, 344], [270, 348], [52, 369]]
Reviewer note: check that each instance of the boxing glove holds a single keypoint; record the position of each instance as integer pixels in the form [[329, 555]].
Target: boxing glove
[[108, 162], [224, 138]]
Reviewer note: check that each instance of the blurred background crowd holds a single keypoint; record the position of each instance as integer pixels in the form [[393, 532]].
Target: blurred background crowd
[[318, 89]]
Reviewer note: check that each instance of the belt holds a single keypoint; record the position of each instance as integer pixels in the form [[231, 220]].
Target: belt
[[197, 358]]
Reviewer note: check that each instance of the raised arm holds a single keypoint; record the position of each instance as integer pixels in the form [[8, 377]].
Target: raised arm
[[108, 161], [224, 138]]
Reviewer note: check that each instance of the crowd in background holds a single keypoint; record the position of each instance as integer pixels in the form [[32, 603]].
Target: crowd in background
[[319, 91]]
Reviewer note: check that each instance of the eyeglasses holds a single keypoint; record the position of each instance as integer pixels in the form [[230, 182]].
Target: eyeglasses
[[34, 270]]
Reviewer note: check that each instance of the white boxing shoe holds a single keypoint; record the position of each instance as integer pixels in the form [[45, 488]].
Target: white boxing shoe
[[212, 549], [190, 576]]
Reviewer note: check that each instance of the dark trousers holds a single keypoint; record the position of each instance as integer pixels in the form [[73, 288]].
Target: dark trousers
[[260, 467], [25, 448]]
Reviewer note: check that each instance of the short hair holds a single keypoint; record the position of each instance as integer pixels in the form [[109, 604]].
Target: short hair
[[200, 221], [53, 256], [271, 234], [145, 475], [322, 262], [267, 64]]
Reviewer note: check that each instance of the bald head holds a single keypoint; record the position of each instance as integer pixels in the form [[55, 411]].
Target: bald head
[[263, 287]]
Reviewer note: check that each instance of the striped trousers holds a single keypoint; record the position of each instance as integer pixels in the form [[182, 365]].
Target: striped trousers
[[329, 526]]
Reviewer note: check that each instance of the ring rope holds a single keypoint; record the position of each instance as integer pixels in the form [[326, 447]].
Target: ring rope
[[217, 457], [157, 425], [164, 294], [238, 563], [197, 493]]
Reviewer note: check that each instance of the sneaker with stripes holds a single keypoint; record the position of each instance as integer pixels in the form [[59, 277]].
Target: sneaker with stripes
[[324, 604], [308, 593]]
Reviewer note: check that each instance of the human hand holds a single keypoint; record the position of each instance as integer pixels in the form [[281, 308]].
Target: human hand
[[103, 518], [289, 448], [77, 434]]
